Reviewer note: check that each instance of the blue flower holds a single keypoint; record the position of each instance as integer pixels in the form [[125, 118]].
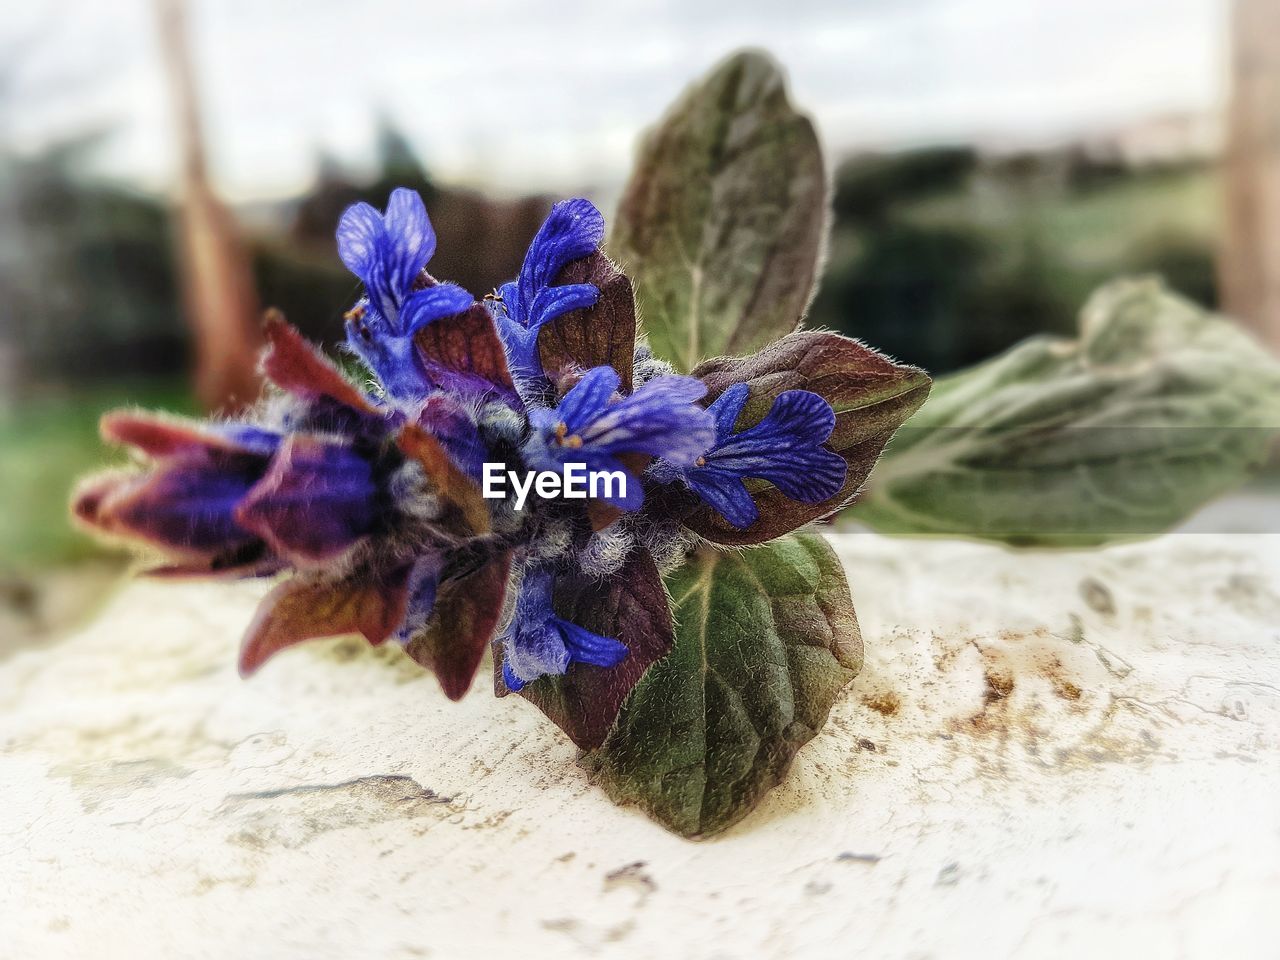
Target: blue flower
[[388, 252], [538, 642], [661, 419], [574, 229], [785, 448]]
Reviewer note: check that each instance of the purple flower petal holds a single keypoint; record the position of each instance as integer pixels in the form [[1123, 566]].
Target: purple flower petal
[[573, 229], [387, 253], [315, 502], [434, 303], [360, 238], [554, 301], [185, 505], [588, 397], [786, 449], [727, 408], [424, 581], [363, 246], [660, 419], [727, 494], [412, 241], [539, 643], [587, 647]]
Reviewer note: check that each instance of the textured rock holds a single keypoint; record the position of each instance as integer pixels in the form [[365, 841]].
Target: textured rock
[[1047, 754]]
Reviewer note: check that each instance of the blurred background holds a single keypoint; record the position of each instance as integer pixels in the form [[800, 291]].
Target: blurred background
[[168, 168]]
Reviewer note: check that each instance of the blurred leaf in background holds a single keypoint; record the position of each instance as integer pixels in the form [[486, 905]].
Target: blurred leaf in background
[[47, 443], [943, 256], [1157, 408]]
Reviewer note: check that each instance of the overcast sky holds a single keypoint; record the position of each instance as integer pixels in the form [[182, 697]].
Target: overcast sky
[[520, 95]]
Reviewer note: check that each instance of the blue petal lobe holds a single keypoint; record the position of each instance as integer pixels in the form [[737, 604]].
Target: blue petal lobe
[[424, 580], [412, 241], [727, 494], [726, 409], [514, 683], [432, 303], [554, 301], [587, 397], [573, 229], [660, 419], [587, 647], [786, 449], [360, 236]]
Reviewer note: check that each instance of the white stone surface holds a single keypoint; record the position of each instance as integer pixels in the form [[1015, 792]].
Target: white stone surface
[[1048, 754]]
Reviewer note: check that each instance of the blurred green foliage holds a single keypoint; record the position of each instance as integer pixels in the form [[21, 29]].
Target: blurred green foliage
[[943, 258], [45, 446], [87, 274]]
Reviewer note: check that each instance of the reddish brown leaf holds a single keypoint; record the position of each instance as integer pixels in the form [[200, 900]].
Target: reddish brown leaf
[[93, 491], [252, 561], [160, 435], [871, 394], [295, 365], [304, 608], [632, 606], [466, 344], [604, 334], [462, 624], [452, 484]]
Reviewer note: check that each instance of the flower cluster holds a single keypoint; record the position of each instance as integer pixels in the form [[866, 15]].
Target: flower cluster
[[368, 499]]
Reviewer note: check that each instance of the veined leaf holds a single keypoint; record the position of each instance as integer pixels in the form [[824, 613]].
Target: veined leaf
[[1157, 408], [722, 224], [765, 641], [871, 395]]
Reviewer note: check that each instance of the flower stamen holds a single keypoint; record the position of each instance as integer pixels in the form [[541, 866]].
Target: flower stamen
[[566, 439]]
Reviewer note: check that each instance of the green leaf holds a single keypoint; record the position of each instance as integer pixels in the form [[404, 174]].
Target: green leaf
[[766, 640], [1159, 407], [723, 222], [871, 395]]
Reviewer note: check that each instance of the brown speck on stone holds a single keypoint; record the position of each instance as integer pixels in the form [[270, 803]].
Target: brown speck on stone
[[1066, 689], [999, 685], [885, 702]]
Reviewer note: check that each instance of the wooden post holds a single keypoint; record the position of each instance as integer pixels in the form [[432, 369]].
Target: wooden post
[[1249, 265], [217, 283]]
